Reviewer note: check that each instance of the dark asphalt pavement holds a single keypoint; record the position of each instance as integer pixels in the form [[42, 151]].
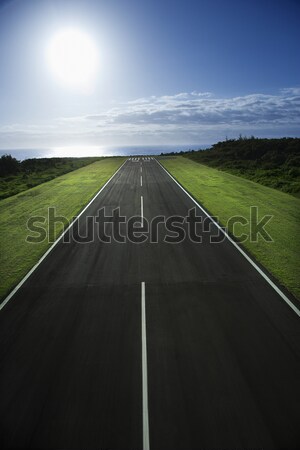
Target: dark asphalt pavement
[[223, 348]]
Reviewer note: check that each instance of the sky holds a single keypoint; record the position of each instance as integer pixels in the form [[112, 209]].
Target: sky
[[168, 72]]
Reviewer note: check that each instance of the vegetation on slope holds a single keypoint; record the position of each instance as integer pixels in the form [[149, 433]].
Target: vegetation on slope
[[225, 195], [68, 194], [17, 176], [271, 162]]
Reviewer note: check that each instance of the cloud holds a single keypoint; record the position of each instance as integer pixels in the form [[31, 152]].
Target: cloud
[[203, 109], [180, 118]]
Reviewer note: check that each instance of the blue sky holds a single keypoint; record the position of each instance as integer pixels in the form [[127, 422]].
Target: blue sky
[[170, 72]]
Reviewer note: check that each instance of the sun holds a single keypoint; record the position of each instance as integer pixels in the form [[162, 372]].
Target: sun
[[73, 58]]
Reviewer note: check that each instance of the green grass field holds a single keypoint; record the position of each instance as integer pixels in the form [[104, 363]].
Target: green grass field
[[33, 172], [68, 194], [272, 162], [225, 195]]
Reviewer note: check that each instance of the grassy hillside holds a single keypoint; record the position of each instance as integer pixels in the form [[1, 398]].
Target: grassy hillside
[[17, 176], [225, 195], [271, 162], [68, 194]]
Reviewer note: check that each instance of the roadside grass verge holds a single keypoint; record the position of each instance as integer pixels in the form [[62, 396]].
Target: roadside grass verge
[[68, 194], [272, 162], [225, 195], [32, 172]]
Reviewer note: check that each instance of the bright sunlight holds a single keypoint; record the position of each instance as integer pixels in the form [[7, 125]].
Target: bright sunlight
[[73, 58]]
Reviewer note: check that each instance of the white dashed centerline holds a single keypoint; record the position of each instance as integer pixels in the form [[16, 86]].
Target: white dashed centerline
[[146, 442], [142, 210], [141, 181]]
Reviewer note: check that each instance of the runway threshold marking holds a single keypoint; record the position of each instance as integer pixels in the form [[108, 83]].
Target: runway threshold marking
[[256, 267], [146, 442]]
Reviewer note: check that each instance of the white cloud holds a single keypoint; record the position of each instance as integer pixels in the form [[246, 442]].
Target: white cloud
[[184, 117], [203, 109]]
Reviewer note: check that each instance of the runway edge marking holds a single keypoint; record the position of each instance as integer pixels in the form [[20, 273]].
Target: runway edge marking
[[146, 442], [261, 272], [12, 293]]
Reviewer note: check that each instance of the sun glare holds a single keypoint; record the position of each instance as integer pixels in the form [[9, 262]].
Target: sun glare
[[79, 150], [73, 58]]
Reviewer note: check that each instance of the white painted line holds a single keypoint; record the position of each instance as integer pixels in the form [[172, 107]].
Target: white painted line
[[6, 300], [142, 210], [141, 181], [141, 169], [261, 272], [146, 442]]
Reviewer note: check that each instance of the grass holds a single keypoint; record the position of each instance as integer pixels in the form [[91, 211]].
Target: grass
[[225, 195], [272, 162], [281, 178], [68, 194], [33, 172]]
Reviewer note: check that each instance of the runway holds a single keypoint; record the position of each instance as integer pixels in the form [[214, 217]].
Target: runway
[[160, 345]]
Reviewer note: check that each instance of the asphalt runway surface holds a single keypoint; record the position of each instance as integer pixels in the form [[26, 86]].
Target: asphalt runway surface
[[147, 345]]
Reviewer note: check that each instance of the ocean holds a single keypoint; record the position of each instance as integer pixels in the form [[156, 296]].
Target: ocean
[[78, 151]]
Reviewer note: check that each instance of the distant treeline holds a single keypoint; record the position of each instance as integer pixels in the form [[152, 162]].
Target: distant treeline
[[17, 176], [12, 166], [272, 162]]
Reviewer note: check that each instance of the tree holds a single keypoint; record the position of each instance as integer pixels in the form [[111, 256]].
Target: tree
[[8, 165]]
